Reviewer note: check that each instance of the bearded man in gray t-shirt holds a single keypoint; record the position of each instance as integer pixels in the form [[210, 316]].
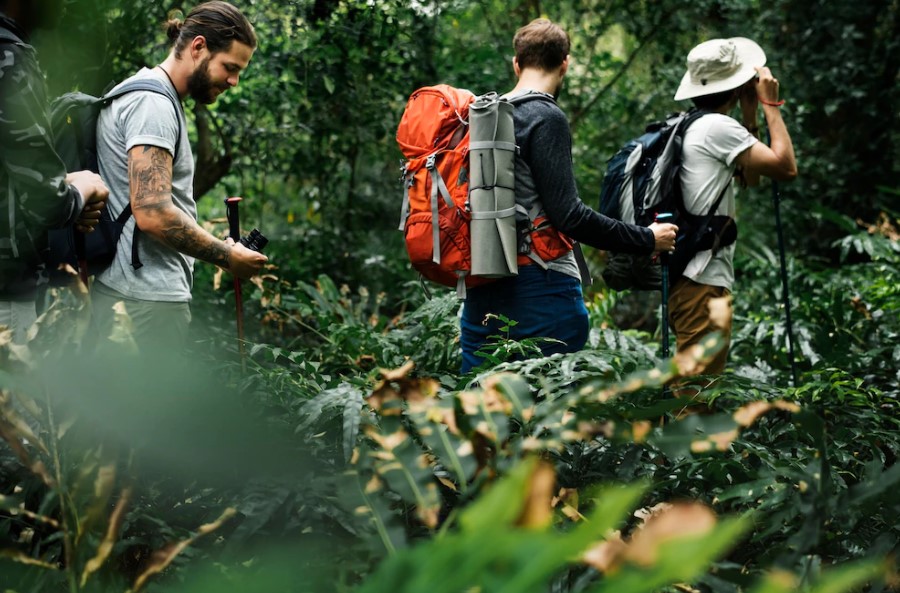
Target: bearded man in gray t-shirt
[[146, 159]]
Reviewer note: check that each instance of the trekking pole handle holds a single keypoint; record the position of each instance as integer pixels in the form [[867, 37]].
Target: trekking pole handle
[[232, 213], [664, 217]]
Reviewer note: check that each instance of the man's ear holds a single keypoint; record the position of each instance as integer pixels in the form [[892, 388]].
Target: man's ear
[[198, 45], [564, 67], [516, 69]]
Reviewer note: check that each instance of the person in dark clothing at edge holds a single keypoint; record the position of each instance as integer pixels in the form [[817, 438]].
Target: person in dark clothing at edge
[[545, 298], [36, 192]]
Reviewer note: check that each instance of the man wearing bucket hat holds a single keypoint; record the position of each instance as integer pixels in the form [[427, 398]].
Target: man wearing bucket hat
[[722, 74]]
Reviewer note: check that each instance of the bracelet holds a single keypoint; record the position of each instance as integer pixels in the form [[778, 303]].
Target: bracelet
[[775, 104]]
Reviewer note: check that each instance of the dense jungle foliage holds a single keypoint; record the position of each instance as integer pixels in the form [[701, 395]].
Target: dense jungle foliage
[[345, 452]]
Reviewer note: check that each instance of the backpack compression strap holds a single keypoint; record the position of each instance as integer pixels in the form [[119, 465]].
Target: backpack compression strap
[[159, 88]]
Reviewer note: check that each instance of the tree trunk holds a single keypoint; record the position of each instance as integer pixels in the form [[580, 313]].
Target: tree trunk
[[212, 163]]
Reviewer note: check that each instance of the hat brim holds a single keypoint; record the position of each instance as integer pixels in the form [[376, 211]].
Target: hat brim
[[751, 56]]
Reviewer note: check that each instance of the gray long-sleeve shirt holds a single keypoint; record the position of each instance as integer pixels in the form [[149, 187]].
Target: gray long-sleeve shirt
[[545, 143]]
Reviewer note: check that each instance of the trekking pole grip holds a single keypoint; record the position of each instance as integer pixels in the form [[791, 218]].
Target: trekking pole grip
[[233, 214]]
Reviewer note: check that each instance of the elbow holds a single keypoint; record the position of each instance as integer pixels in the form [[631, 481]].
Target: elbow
[[148, 223], [782, 171], [788, 174]]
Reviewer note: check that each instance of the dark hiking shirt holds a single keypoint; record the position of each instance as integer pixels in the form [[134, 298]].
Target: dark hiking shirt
[[544, 172], [33, 194]]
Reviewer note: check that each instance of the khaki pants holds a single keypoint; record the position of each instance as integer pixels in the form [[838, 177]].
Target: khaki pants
[[157, 327], [689, 318]]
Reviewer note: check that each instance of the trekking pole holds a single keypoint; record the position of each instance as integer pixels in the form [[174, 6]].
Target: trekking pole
[[232, 212], [785, 295], [664, 265], [80, 251]]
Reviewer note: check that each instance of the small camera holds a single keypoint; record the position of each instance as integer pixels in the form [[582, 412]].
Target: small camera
[[255, 241]]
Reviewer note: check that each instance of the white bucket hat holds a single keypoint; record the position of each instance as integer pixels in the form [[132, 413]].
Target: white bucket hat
[[720, 65]]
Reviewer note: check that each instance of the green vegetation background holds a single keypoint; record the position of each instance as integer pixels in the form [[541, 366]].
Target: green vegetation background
[[342, 478]]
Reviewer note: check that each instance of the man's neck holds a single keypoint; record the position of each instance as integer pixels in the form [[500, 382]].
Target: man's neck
[[178, 74], [533, 79]]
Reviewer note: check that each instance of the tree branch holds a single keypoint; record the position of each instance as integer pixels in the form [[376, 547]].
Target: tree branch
[[578, 115]]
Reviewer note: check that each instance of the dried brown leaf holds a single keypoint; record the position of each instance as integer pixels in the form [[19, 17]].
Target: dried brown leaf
[[397, 374], [718, 441], [103, 489], [682, 519], [640, 430], [537, 512], [22, 558], [13, 508], [749, 413], [6, 336], [112, 533], [164, 556], [606, 556]]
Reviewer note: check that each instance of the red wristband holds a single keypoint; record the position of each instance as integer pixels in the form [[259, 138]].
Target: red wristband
[[775, 104]]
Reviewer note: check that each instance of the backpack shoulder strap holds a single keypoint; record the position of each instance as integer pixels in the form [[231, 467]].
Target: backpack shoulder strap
[[152, 86], [529, 96], [689, 117], [140, 84], [692, 115]]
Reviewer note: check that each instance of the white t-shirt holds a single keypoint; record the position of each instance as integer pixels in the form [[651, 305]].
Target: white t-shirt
[[711, 145], [146, 118]]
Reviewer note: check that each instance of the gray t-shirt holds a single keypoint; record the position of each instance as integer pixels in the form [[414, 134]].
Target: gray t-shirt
[[711, 145], [136, 119]]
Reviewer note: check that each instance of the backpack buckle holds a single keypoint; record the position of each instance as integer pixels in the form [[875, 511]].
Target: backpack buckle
[[430, 162]]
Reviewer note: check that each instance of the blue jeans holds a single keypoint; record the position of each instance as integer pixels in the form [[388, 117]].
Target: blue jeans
[[546, 304]]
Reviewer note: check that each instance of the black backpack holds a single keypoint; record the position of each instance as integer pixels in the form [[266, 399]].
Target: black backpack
[[73, 119], [642, 180]]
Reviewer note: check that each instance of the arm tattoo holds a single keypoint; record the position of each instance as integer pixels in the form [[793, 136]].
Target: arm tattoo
[[150, 178]]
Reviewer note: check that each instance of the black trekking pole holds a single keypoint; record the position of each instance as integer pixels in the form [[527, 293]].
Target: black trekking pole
[[232, 212], [785, 294], [664, 265]]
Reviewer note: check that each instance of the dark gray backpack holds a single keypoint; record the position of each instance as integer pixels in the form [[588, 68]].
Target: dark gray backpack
[[642, 181], [73, 119]]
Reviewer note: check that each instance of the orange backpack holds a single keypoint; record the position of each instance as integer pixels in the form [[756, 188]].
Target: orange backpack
[[434, 137]]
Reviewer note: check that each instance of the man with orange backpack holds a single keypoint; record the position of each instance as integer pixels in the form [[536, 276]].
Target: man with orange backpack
[[545, 298]]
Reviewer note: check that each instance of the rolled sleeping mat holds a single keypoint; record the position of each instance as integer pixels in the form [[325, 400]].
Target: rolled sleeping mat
[[492, 196]]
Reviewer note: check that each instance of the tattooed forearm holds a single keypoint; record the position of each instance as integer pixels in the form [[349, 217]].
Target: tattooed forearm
[[181, 232], [150, 177]]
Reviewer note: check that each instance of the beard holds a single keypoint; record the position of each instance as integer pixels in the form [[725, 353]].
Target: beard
[[200, 85]]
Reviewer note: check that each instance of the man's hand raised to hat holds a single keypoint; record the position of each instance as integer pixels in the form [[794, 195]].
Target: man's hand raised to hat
[[766, 86]]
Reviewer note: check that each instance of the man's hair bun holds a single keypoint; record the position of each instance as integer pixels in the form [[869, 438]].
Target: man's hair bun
[[173, 25]]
